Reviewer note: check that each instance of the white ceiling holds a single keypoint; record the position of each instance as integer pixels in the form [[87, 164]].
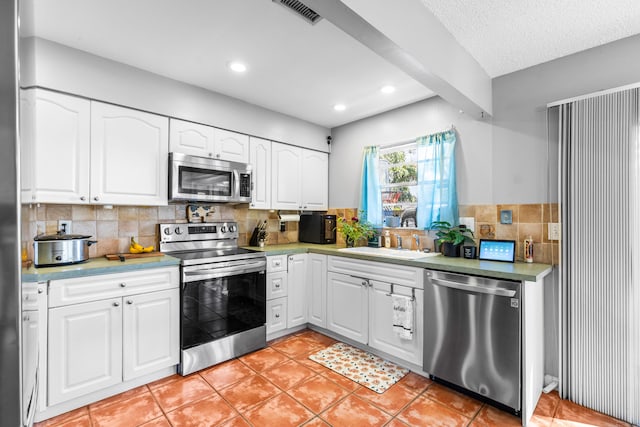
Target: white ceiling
[[509, 35], [303, 70]]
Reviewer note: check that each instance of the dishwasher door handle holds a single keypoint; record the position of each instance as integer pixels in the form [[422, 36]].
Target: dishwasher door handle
[[474, 288]]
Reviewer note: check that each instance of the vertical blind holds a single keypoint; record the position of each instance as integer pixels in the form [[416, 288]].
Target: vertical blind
[[599, 175]]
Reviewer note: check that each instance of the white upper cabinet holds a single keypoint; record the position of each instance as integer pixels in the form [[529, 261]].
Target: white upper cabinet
[[315, 180], [285, 173], [190, 138], [260, 159], [300, 178], [196, 139], [128, 156], [231, 146], [55, 146]]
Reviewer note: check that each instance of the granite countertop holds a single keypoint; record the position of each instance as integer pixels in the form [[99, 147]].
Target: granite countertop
[[499, 270], [94, 266]]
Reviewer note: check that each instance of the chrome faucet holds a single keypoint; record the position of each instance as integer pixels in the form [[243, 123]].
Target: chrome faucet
[[398, 241], [417, 237]]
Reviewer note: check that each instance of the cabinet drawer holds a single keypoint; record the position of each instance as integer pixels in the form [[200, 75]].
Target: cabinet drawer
[[93, 288], [276, 285], [276, 263], [276, 315], [385, 272]]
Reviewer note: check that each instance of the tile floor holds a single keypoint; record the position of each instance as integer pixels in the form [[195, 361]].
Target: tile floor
[[278, 387]]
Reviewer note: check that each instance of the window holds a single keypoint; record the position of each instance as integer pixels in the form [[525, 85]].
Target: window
[[399, 185]]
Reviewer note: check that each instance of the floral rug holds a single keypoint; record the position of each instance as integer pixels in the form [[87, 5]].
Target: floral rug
[[364, 368]]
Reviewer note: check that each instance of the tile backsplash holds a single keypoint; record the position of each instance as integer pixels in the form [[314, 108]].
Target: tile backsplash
[[526, 220], [113, 228]]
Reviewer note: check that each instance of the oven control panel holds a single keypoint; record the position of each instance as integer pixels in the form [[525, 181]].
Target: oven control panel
[[202, 231]]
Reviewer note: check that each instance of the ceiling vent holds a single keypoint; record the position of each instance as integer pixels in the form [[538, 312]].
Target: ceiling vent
[[301, 10]]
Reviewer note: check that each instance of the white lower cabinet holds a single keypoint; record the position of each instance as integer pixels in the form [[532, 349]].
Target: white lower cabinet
[[360, 307], [347, 306], [381, 333], [85, 348], [297, 292], [317, 289], [94, 344], [277, 290], [276, 315]]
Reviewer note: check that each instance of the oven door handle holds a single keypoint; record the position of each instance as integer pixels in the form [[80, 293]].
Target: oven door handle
[[216, 273]]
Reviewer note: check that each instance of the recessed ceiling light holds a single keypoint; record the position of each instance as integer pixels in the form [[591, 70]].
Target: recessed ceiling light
[[238, 67], [339, 107], [387, 89]]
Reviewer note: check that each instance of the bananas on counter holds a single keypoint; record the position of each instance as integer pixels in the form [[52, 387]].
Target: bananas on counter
[[137, 248]]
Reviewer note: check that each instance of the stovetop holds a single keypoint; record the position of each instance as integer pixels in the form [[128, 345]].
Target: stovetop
[[207, 256]]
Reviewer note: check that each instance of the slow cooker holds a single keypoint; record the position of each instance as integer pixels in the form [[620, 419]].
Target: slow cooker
[[60, 249]]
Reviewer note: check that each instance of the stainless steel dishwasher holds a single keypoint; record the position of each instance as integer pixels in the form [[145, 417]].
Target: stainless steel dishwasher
[[472, 334]]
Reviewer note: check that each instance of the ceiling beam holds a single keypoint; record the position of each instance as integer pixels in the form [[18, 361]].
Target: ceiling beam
[[408, 35]]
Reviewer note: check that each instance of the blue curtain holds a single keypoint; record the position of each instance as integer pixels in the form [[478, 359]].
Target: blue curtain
[[437, 194], [370, 195]]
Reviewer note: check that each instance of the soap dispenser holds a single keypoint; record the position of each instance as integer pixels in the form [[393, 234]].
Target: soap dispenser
[[387, 239]]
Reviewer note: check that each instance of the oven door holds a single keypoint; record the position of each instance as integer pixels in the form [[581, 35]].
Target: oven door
[[222, 299]]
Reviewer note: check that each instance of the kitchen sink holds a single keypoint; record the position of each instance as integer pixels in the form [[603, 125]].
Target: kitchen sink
[[389, 253]]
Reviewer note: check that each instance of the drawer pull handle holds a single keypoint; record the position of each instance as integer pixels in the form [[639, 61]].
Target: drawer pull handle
[[116, 304], [122, 285], [129, 302]]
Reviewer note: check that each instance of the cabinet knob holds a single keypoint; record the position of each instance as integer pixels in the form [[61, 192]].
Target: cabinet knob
[[96, 198], [253, 204], [129, 302], [305, 206], [300, 207], [277, 285], [290, 258], [218, 155], [122, 285], [277, 316], [116, 304], [210, 154], [83, 198], [364, 283], [40, 290]]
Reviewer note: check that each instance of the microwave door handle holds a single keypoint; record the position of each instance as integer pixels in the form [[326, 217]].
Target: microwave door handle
[[236, 184]]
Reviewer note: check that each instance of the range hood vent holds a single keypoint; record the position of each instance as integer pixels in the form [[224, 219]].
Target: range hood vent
[[301, 10]]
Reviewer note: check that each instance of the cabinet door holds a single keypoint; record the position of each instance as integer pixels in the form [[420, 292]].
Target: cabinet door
[[315, 180], [190, 138], [151, 333], [276, 285], [317, 289], [381, 333], [347, 306], [128, 156], [285, 174], [85, 349], [260, 159], [55, 144], [297, 295], [276, 315], [231, 146]]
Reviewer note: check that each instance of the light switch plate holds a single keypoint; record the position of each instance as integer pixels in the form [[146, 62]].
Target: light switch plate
[[554, 231]]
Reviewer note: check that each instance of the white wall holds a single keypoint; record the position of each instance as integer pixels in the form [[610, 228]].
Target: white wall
[[55, 66], [507, 159], [473, 149]]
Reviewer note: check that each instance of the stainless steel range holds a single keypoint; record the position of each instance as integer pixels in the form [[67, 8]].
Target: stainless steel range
[[223, 297]]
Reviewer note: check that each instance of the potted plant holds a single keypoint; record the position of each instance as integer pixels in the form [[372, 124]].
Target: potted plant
[[451, 238], [354, 230]]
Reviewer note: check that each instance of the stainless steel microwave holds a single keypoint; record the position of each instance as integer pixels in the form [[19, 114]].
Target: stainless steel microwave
[[201, 179]]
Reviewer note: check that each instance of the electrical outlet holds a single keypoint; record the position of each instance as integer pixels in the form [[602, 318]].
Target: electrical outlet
[[554, 231], [64, 226], [469, 221]]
